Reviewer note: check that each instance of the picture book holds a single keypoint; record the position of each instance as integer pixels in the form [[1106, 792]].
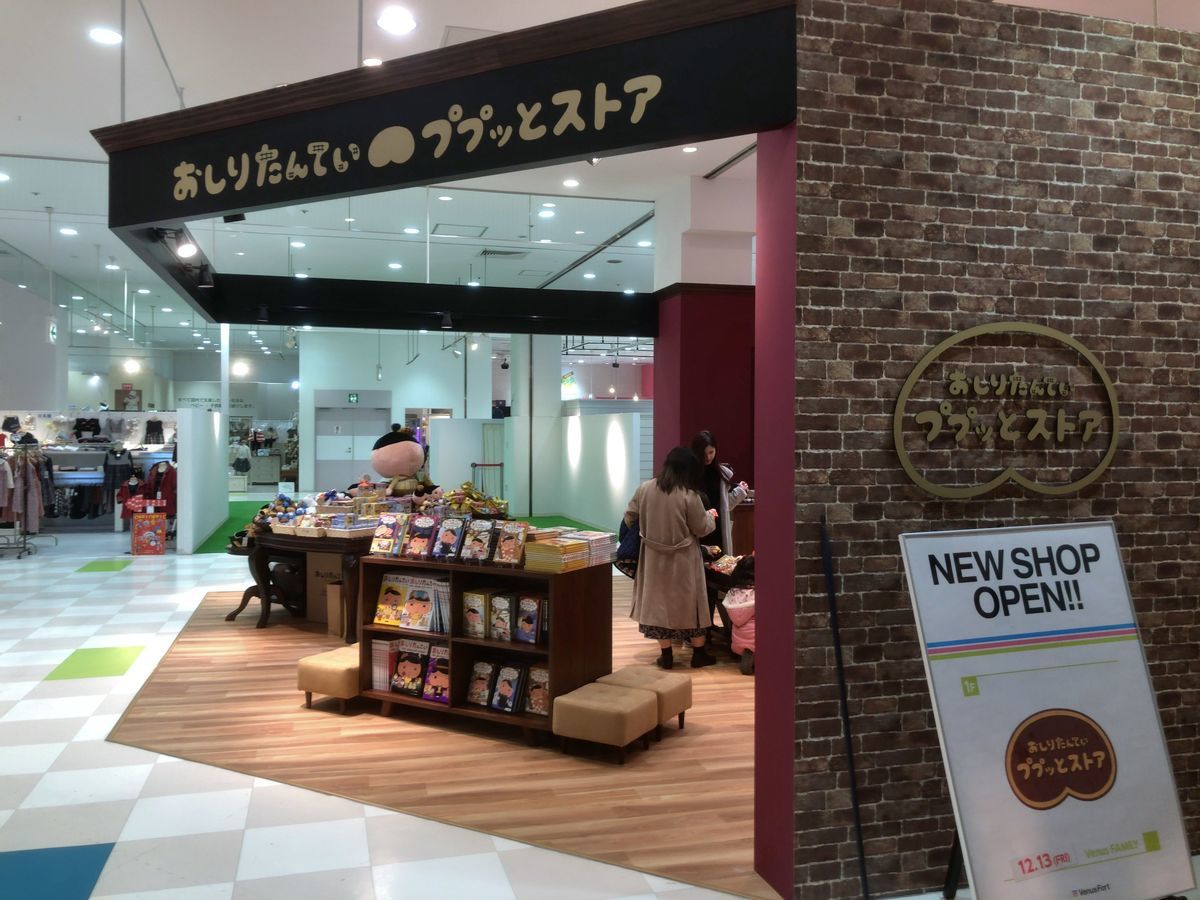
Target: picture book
[[529, 612], [500, 616], [510, 545], [537, 693], [475, 614], [392, 594], [477, 543], [411, 659], [479, 689], [384, 541], [437, 674], [508, 688], [417, 611], [418, 541], [383, 663], [450, 532]]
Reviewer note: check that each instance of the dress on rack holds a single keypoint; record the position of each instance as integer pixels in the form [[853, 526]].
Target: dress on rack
[[118, 466], [125, 492], [161, 483], [27, 495], [154, 431]]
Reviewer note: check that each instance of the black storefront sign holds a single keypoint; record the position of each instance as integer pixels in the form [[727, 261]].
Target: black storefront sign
[[727, 78]]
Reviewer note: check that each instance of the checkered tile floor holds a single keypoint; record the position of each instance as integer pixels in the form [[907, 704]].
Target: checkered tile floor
[[81, 817]]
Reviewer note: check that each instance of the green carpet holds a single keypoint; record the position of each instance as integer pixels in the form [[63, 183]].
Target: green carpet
[[105, 565], [552, 521], [240, 514], [96, 662]]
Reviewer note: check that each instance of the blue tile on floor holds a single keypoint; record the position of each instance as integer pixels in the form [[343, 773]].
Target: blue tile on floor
[[65, 873]]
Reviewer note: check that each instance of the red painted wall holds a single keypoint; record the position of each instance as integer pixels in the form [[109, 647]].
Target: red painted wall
[[704, 371], [647, 389], [774, 512]]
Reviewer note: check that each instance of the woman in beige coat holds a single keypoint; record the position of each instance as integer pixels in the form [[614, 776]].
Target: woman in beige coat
[[669, 599]]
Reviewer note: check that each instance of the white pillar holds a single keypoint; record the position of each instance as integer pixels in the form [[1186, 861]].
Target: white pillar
[[224, 434], [704, 232]]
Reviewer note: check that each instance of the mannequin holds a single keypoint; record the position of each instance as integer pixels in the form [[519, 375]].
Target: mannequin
[[131, 487], [239, 457], [154, 431], [118, 467], [159, 489], [271, 436]]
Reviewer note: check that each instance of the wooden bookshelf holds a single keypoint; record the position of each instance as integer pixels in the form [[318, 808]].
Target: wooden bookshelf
[[577, 648]]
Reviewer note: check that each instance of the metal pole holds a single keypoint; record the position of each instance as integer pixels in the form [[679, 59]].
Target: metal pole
[[224, 435], [124, 41], [358, 62]]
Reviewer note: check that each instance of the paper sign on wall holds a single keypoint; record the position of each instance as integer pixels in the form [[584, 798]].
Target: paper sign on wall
[[1058, 770]]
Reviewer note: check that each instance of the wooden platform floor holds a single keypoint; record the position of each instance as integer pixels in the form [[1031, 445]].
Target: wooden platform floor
[[225, 695]]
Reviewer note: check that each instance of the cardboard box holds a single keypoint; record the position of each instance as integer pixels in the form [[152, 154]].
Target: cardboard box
[[322, 569], [333, 608]]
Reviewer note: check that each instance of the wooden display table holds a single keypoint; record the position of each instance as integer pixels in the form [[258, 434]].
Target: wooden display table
[[269, 548], [742, 521], [577, 652]]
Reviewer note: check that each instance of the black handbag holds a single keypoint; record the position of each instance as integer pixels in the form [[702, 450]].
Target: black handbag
[[629, 547]]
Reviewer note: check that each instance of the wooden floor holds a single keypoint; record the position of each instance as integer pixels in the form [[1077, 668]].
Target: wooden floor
[[225, 695]]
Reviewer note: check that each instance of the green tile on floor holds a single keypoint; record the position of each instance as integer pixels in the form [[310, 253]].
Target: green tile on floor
[[98, 662], [105, 565]]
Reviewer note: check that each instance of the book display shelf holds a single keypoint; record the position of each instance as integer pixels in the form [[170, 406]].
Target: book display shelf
[[576, 646]]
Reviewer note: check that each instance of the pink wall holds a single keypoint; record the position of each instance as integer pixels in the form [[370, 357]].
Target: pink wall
[[774, 513], [646, 392], [1181, 14]]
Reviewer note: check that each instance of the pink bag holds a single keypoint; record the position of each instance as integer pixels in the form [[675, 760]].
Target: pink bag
[[739, 604]]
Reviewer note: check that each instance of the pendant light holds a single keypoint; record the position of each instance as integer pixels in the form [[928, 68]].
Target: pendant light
[[379, 357]]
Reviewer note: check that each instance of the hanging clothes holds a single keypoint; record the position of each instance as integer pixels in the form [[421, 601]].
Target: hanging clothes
[[130, 488], [27, 495], [6, 483], [159, 489], [154, 431], [118, 466]]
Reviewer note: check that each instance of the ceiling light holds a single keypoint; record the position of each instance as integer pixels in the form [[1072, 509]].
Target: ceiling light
[[298, 245], [129, 339], [105, 36], [195, 334], [4, 176], [258, 340], [690, 149], [411, 230], [627, 291], [611, 389], [372, 61], [96, 328], [447, 322], [545, 241], [240, 253], [593, 161], [570, 182], [307, 327], [395, 265], [81, 331], [113, 267], [456, 352], [240, 369], [589, 275], [252, 333], [62, 306], [445, 197], [132, 366], [295, 385], [22, 286], [349, 219], [546, 214], [549, 205], [77, 296], [472, 284], [167, 309], [423, 331], [200, 348], [206, 341], [68, 232], [301, 274], [143, 290], [581, 232], [185, 324], [184, 248], [106, 315], [266, 351], [474, 345], [396, 20], [106, 331], [216, 349], [645, 243]]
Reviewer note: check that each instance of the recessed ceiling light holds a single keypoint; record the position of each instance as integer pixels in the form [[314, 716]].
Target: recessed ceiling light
[[545, 241], [167, 309], [143, 290], [423, 331], [106, 315], [645, 243], [581, 232], [549, 205], [129, 339], [186, 249], [628, 291], [22, 286], [301, 274], [412, 230], [295, 385], [62, 306], [68, 232], [240, 368], [570, 182], [239, 253], [216, 349], [258, 340], [546, 214], [96, 328], [349, 218], [266, 351], [472, 284], [589, 275], [77, 296], [252, 333], [105, 36], [206, 341], [185, 324], [81, 331], [445, 197], [200, 348], [396, 20], [112, 267], [690, 149], [372, 61], [298, 245], [308, 328], [195, 334], [394, 265], [4, 176]]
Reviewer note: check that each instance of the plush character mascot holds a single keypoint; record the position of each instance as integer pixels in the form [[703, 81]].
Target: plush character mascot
[[398, 457]]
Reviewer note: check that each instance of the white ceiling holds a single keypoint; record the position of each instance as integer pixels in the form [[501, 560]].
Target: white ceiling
[[223, 49]]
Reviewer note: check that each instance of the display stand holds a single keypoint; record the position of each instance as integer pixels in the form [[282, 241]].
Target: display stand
[[577, 651]]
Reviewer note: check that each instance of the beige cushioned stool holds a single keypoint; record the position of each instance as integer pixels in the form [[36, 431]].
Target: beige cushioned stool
[[606, 714], [333, 673], [673, 689]]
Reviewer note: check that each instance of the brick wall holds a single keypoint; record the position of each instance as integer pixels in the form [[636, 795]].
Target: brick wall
[[962, 162]]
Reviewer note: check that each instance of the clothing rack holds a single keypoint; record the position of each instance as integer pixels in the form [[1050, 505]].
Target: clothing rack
[[20, 539]]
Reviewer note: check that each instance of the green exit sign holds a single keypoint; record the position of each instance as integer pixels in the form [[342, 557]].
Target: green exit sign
[[352, 398]]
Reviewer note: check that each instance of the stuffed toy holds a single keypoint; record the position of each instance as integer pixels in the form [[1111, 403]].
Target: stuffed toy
[[397, 456]]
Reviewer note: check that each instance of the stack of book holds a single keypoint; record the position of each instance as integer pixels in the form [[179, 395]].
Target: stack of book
[[556, 555], [602, 546], [546, 533]]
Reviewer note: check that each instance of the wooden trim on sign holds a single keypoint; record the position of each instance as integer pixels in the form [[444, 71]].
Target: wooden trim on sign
[[554, 39]]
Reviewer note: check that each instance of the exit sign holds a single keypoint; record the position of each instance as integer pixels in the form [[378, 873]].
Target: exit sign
[[352, 398]]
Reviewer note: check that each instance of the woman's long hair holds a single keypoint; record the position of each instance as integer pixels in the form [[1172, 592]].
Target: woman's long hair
[[681, 469], [701, 442]]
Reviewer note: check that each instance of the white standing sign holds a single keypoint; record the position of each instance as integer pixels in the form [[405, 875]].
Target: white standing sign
[[1058, 770]]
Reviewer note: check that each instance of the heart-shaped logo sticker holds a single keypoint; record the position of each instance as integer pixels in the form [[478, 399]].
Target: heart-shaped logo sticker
[[1056, 754]]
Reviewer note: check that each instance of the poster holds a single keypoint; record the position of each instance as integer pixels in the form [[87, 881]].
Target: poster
[[149, 534], [1058, 770]]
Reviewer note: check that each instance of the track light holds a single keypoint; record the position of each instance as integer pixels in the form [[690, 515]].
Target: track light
[[447, 322], [456, 352], [504, 365], [204, 279]]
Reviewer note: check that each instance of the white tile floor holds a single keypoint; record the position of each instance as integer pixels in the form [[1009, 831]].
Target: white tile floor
[[185, 831]]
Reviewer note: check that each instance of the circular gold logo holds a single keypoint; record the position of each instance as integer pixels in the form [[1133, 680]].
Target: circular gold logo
[[1056, 754]]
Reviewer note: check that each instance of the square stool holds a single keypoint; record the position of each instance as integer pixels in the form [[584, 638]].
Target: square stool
[[606, 714], [673, 690], [333, 673]]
